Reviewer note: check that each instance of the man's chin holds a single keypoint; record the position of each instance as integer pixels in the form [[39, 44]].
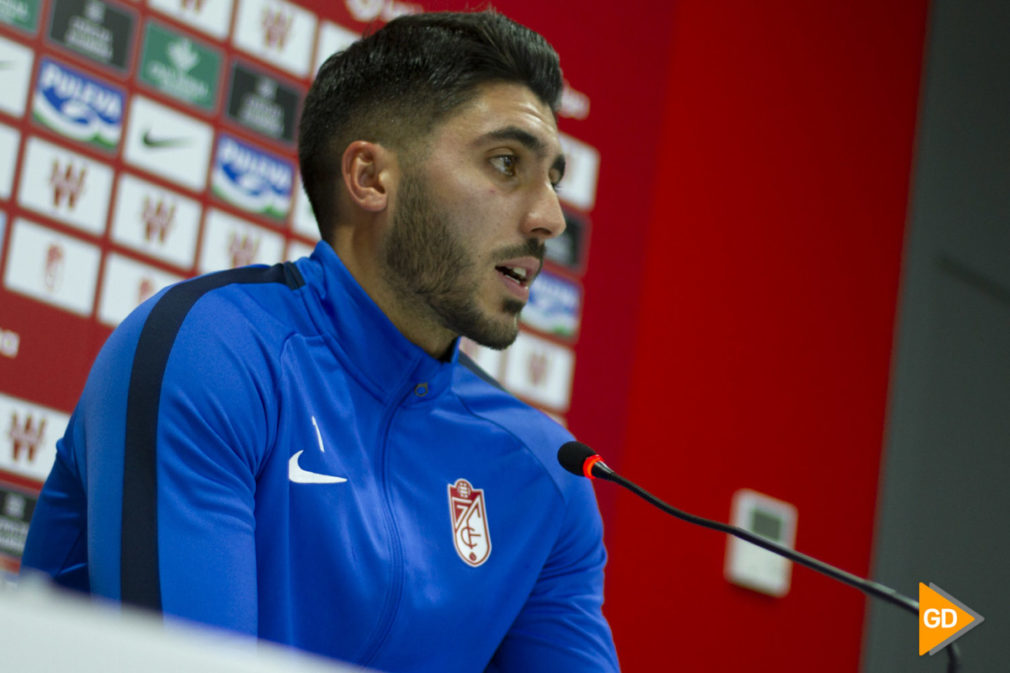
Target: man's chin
[[496, 334], [513, 307]]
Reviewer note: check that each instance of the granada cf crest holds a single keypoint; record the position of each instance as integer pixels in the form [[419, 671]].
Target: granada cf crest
[[469, 522]]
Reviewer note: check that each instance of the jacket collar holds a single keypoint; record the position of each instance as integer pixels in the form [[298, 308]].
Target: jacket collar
[[365, 340]]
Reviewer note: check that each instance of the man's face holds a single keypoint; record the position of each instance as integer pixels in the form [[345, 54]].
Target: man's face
[[472, 213]]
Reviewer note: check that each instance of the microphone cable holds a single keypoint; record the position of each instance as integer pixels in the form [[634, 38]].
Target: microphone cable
[[582, 461]]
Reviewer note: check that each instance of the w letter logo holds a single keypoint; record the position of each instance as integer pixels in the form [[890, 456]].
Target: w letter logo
[[67, 184], [26, 437], [276, 26], [157, 219]]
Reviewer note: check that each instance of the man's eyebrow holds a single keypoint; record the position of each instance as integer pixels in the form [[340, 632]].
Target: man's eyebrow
[[529, 141]]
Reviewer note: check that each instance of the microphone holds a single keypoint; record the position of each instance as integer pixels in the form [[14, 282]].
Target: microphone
[[582, 461]]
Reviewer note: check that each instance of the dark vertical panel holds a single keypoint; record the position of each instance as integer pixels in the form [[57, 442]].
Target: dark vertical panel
[[945, 491]]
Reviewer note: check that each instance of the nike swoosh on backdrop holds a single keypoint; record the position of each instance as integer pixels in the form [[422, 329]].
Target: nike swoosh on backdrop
[[150, 141]]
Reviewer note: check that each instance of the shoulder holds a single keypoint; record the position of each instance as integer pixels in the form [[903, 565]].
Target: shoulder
[[253, 291], [535, 431], [225, 303], [192, 332]]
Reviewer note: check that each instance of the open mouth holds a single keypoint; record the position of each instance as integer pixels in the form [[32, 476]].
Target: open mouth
[[515, 273]]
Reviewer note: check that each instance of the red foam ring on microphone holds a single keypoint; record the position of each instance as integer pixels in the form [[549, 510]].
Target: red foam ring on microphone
[[587, 467]]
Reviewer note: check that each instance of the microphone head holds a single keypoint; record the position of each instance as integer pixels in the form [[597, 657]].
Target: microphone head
[[573, 455]]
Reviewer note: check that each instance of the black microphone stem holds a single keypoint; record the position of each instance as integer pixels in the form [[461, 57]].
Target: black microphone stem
[[601, 471]]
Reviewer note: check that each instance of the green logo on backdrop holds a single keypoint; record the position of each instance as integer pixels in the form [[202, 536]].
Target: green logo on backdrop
[[21, 13], [180, 66]]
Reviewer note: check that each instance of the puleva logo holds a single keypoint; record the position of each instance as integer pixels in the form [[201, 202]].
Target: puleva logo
[[469, 523], [942, 619], [554, 306], [78, 106], [252, 179]]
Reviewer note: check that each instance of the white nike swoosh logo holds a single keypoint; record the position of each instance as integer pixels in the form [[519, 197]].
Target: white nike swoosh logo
[[299, 476]]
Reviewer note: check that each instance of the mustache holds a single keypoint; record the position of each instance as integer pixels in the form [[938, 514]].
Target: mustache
[[531, 248]]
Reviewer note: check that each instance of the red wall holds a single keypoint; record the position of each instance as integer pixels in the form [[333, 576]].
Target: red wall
[[762, 349]]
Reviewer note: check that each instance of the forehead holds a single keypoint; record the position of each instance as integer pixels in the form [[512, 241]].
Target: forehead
[[499, 106]]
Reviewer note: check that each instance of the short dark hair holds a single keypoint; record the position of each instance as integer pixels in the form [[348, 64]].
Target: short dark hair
[[395, 85]]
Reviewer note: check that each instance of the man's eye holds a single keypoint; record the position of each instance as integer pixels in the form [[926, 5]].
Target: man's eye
[[506, 164]]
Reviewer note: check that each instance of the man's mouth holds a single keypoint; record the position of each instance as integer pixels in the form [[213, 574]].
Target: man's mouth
[[519, 274], [518, 267]]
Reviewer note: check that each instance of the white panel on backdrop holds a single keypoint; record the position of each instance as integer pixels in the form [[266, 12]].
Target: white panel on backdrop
[[15, 76], [52, 267], [540, 370], [582, 171], [155, 221], [488, 359], [297, 249], [278, 33], [126, 284], [229, 242], [211, 16], [168, 144], [3, 230], [65, 185], [332, 38], [304, 220], [28, 434], [9, 140]]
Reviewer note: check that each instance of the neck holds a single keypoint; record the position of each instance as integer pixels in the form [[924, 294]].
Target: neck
[[412, 317]]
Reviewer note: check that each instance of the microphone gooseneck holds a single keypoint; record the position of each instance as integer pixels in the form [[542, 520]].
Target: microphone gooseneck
[[581, 460]]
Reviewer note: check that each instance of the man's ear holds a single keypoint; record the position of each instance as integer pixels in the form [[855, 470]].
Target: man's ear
[[366, 169]]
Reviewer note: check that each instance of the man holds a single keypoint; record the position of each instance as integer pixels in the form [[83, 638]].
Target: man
[[301, 452]]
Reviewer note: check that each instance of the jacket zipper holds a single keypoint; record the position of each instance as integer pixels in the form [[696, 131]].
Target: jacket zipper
[[392, 602]]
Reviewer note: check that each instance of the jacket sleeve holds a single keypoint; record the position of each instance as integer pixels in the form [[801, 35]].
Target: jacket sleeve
[[561, 627], [56, 544], [156, 477], [213, 430]]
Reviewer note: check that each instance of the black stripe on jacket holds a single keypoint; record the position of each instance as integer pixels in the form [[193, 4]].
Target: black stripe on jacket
[[139, 568]]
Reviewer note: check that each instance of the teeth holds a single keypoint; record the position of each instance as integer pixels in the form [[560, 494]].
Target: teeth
[[517, 273]]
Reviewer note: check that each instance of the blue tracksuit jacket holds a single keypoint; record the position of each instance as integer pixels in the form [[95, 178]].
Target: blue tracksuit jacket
[[262, 450]]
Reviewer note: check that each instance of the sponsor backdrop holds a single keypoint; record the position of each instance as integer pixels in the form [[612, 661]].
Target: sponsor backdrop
[[143, 143], [717, 315]]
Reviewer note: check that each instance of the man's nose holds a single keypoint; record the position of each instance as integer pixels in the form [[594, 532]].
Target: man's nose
[[545, 218]]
